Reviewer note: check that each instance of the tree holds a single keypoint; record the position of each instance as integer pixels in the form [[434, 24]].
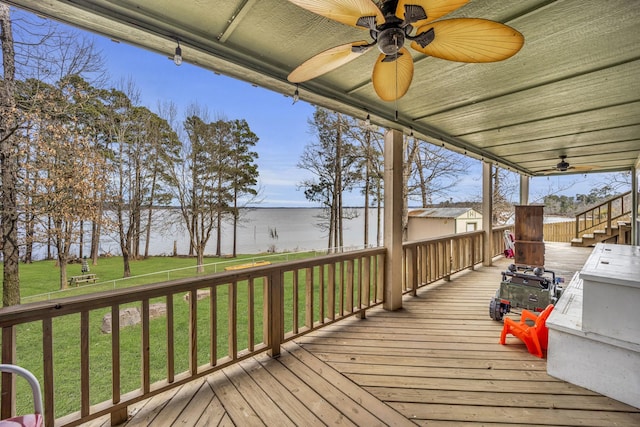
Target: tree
[[32, 48], [194, 181], [8, 164], [370, 164], [143, 144], [505, 186], [219, 160], [430, 171], [163, 151], [68, 174], [332, 159], [244, 170]]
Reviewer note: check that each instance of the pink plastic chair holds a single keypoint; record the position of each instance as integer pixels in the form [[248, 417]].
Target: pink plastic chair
[[29, 420]]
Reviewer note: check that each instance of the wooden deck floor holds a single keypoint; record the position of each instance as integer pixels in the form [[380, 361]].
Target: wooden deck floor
[[435, 362]]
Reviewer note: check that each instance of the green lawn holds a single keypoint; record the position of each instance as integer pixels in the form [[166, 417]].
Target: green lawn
[[41, 280]]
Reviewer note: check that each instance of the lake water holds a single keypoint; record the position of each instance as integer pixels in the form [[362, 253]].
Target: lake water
[[261, 230]]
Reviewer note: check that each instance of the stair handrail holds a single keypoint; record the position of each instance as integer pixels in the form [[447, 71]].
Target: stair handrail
[[609, 217]]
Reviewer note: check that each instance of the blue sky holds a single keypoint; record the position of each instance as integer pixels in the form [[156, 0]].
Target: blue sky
[[282, 126]]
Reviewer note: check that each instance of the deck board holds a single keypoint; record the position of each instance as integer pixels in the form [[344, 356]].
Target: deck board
[[436, 362]]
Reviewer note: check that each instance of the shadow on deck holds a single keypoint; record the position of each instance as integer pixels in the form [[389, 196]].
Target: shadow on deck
[[435, 362]]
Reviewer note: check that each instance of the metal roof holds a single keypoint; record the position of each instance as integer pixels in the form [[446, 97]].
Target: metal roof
[[573, 89], [442, 213]]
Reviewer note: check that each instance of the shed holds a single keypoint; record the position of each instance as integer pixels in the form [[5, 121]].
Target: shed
[[425, 223]]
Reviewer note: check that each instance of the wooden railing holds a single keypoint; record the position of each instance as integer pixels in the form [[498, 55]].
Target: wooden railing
[[192, 327], [427, 261], [617, 208], [559, 231], [207, 323]]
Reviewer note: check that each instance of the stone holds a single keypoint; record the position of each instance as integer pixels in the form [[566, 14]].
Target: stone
[[128, 317], [201, 294]]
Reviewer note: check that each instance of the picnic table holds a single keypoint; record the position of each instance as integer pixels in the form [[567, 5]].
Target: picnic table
[[83, 278]]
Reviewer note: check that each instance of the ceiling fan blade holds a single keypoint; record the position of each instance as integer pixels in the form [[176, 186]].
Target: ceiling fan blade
[[327, 60], [392, 75], [434, 9], [569, 169], [581, 168], [348, 12], [470, 40]]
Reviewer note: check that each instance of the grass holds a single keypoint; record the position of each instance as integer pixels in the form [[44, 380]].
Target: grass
[[41, 280], [42, 277]]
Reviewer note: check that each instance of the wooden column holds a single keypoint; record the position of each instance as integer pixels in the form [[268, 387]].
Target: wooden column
[[524, 190], [393, 219], [487, 213], [635, 215]]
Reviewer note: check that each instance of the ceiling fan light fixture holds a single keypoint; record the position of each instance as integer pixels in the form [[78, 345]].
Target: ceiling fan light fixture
[[391, 40], [177, 57], [296, 95]]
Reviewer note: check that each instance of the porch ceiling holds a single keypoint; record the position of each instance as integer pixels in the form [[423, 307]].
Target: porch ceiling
[[572, 90]]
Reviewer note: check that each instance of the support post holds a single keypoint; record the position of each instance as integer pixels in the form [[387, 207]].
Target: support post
[[393, 219], [487, 214], [276, 312], [635, 215], [524, 190]]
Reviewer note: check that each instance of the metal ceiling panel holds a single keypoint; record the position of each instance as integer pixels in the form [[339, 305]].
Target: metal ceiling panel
[[573, 89]]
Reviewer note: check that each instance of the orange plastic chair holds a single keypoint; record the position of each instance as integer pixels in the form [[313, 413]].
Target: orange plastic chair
[[535, 337], [29, 420]]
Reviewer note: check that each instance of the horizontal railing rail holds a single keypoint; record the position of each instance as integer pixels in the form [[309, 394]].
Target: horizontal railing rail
[[163, 335]]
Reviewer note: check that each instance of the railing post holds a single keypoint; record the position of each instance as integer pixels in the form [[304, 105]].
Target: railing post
[[609, 206], [276, 309], [8, 404], [473, 252], [411, 266]]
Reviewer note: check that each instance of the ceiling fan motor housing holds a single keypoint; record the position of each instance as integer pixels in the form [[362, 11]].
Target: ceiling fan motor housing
[[391, 40]]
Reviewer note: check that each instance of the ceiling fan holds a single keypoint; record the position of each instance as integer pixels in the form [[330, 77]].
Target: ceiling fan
[[390, 23], [564, 166]]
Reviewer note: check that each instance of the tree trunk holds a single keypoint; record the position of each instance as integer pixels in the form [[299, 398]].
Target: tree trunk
[[235, 224], [81, 250], [9, 166], [95, 240], [150, 216], [200, 258], [338, 189]]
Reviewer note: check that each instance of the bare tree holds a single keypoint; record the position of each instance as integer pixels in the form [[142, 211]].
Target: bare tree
[[430, 171], [8, 163], [370, 164], [194, 182], [332, 160], [64, 153]]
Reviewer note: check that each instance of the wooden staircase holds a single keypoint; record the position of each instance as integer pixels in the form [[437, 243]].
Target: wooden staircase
[[608, 222]]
